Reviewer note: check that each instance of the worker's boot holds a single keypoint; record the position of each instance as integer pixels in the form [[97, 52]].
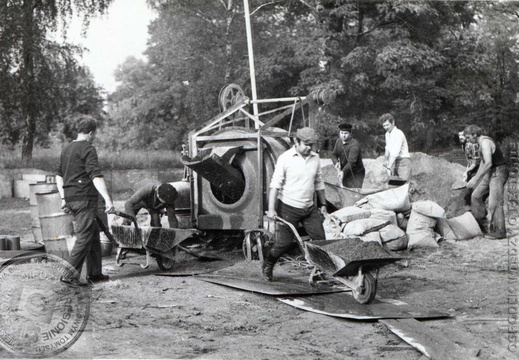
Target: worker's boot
[[268, 267]]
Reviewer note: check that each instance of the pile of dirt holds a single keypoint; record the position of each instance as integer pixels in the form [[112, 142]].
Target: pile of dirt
[[431, 179], [356, 249]]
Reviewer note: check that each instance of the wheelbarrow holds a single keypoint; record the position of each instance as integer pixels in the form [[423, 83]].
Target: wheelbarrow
[[356, 274], [160, 243]]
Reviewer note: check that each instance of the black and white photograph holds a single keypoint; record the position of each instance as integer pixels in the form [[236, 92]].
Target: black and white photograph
[[259, 179]]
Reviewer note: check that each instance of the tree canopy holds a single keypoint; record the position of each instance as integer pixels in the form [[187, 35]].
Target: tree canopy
[[436, 65], [41, 82]]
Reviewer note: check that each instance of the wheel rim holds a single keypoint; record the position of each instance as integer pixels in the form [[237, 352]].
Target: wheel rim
[[369, 290]]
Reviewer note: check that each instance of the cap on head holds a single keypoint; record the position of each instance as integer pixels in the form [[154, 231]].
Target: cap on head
[[306, 134], [167, 193], [345, 127]]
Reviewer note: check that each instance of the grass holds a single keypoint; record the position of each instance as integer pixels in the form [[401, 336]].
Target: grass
[[48, 159]]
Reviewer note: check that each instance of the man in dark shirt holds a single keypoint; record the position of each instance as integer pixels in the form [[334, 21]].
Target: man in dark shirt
[[154, 198], [489, 182], [79, 181], [347, 158]]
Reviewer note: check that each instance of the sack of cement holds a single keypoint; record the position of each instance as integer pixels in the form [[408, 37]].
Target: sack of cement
[[396, 199], [387, 215], [371, 237], [363, 226], [393, 238], [350, 213], [465, 226], [444, 229], [428, 208], [331, 229], [401, 221], [420, 231]]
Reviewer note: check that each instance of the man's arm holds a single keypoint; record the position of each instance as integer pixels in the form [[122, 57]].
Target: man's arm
[[335, 154], [100, 185], [172, 217], [321, 198], [352, 157], [59, 184], [273, 197], [484, 166]]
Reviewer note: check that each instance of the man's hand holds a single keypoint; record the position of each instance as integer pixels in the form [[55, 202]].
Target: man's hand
[[271, 214], [323, 210], [465, 176], [472, 183], [109, 209], [64, 207]]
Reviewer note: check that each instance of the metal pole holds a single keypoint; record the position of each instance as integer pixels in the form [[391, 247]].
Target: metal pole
[[251, 57]]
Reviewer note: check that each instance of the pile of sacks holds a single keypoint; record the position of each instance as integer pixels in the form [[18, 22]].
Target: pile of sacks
[[390, 219]]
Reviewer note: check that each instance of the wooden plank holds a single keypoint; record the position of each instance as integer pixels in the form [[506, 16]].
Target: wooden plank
[[431, 343]]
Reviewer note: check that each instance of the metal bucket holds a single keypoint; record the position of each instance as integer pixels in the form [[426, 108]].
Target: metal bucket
[[106, 245], [56, 225], [3, 242], [13, 242], [48, 202], [40, 188], [57, 246]]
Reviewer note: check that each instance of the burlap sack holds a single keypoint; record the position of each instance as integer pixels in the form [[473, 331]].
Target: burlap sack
[[363, 226]]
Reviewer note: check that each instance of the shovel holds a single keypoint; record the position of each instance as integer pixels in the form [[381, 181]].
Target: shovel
[[199, 256]]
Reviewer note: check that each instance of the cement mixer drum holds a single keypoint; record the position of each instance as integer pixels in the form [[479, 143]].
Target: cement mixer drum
[[231, 186]]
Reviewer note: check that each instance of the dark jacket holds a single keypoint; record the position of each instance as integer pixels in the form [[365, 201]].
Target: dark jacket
[[78, 167], [349, 155], [146, 197]]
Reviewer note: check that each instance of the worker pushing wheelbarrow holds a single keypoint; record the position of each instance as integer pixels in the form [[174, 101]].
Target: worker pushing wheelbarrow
[[355, 272]]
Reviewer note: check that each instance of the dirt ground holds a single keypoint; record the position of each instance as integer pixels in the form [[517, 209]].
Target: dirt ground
[[138, 314]]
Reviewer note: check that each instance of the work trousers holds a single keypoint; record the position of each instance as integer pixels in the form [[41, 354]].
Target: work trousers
[[310, 218], [87, 245], [353, 180], [402, 168], [491, 186]]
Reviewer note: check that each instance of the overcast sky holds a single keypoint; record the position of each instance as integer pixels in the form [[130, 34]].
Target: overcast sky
[[122, 32]]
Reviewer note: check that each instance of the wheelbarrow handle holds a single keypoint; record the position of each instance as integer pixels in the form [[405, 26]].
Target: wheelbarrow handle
[[127, 216], [293, 229]]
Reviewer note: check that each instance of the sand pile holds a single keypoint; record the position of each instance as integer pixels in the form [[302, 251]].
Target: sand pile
[[431, 179]]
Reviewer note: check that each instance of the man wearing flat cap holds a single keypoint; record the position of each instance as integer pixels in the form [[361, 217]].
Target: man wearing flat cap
[[296, 178], [347, 158], [155, 198]]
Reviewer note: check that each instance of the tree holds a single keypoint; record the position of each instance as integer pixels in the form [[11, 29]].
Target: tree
[[32, 63]]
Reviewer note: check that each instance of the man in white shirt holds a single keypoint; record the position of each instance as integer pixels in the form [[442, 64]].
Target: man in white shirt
[[397, 160], [296, 178]]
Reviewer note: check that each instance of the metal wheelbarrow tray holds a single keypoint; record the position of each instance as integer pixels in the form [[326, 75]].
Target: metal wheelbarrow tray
[[349, 261], [157, 242]]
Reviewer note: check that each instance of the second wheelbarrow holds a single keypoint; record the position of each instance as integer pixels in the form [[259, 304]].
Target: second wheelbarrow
[[160, 243], [355, 273]]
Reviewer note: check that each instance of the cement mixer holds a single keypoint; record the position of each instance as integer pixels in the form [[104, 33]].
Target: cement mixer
[[230, 161]]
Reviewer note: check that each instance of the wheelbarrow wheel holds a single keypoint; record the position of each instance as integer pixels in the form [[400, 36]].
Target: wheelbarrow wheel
[[369, 290], [165, 263]]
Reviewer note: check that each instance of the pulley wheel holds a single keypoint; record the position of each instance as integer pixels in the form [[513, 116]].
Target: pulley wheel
[[230, 95]]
